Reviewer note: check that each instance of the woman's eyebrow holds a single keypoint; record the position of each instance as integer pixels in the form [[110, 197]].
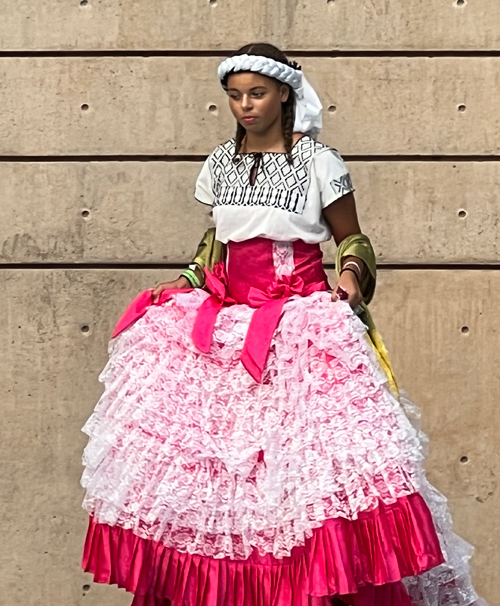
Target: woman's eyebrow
[[235, 90]]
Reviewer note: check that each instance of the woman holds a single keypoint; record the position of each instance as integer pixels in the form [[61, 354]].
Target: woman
[[250, 447]]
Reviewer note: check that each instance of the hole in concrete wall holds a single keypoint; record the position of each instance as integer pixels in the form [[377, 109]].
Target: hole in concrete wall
[[461, 2], [461, 108], [464, 459], [213, 109], [332, 108], [85, 213], [462, 213], [85, 328], [85, 107], [330, 1], [86, 588], [464, 330], [84, 2], [212, 2]]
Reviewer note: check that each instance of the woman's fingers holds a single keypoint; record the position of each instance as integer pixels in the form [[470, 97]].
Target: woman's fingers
[[342, 293], [349, 292], [339, 294], [155, 295], [348, 288], [158, 289]]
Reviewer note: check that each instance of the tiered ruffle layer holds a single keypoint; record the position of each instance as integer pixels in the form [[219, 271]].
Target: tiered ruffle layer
[[208, 489], [342, 557], [187, 449]]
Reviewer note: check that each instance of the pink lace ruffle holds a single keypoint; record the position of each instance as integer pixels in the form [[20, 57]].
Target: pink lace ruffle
[[188, 450], [365, 558]]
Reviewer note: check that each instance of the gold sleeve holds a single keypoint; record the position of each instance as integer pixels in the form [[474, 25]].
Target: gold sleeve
[[210, 251], [359, 245]]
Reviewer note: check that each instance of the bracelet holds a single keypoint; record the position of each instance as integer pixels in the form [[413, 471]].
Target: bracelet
[[192, 278], [351, 270], [194, 267], [355, 265]]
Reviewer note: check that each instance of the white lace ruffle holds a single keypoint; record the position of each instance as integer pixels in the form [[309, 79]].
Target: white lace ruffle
[[175, 439], [283, 258], [450, 583]]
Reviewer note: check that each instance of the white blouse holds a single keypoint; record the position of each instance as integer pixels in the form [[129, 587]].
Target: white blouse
[[285, 202]]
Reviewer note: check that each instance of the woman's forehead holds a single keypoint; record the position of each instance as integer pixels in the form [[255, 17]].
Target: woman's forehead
[[248, 80]]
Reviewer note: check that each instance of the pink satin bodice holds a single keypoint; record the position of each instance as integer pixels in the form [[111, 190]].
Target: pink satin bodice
[[264, 274]]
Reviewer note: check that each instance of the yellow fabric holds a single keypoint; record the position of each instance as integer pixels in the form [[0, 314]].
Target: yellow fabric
[[211, 251], [376, 342], [359, 245]]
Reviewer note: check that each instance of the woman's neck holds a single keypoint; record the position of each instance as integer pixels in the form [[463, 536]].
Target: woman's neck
[[270, 140], [266, 142]]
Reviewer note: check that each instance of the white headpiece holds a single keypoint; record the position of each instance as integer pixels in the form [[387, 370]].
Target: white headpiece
[[307, 104]]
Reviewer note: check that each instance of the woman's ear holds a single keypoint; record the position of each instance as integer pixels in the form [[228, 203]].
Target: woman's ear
[[285, 92]]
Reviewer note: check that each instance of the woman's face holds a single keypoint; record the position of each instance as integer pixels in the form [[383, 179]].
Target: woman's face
[[255, 100]]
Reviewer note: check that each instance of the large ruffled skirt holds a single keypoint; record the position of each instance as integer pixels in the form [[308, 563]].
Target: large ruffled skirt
[[207, 488]]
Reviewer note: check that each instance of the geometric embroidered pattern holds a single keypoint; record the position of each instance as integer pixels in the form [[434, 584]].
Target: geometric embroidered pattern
[[342, 185], [278, 184]]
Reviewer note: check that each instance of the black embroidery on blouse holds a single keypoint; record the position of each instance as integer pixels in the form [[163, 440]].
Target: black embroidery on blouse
[[342, 185], [278, 184]]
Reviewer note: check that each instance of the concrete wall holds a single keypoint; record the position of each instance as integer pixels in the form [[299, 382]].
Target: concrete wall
[[106, 111]]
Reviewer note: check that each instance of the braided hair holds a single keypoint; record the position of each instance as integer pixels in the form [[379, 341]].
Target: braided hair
[[288, 107]]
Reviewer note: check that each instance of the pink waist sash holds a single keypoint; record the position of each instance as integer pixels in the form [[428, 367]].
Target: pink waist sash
[[259, 272], [256, 274]]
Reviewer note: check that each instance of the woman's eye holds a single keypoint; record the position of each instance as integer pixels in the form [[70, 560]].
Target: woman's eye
[[258, 95]]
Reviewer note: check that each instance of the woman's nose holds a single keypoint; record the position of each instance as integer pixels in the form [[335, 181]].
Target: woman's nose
[[246, 102]]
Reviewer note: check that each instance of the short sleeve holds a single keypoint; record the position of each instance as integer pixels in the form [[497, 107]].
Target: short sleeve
[[203, 191], [332, 174]]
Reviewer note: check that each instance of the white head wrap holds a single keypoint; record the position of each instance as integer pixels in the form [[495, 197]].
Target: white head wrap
[[307, 104]]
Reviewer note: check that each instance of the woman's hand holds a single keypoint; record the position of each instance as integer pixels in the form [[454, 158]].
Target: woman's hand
[[347, 289], [181, 282]]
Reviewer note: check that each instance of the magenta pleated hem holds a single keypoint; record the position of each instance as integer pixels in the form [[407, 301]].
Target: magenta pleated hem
[[362, 561]]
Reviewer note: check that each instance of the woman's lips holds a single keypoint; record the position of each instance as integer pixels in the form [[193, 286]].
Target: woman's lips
[[249, 119]]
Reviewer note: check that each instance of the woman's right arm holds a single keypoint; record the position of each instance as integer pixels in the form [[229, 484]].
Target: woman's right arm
[[181, 282], [209, 252]]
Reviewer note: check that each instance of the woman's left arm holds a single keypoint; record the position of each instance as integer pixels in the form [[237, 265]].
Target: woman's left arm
[[342, 219]]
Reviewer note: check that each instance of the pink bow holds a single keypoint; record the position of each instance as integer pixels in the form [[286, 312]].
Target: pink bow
[[203, 329], [138, 307], [282, 288], [266, 318]]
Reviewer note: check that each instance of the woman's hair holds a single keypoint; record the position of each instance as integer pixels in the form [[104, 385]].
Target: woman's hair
[[288, 107]]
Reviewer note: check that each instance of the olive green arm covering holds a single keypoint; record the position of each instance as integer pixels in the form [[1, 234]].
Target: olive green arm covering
[[210, 251], [359, 245]]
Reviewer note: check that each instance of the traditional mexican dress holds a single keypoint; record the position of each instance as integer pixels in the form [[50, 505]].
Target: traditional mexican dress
[[248, 449]]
